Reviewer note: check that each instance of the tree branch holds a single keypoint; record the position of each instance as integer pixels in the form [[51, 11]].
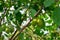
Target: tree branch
[[39, 11]]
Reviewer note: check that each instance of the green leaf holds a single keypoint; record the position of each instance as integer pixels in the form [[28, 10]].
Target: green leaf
[[48, 3], [1, 6], [56, 16], [37, 31], [28, 38], [49, 21], [20, 36], [18, 16], [10, 30], [1, 29], [32, 11]]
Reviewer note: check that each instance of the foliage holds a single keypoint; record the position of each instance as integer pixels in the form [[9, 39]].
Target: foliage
[[29, 19]]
